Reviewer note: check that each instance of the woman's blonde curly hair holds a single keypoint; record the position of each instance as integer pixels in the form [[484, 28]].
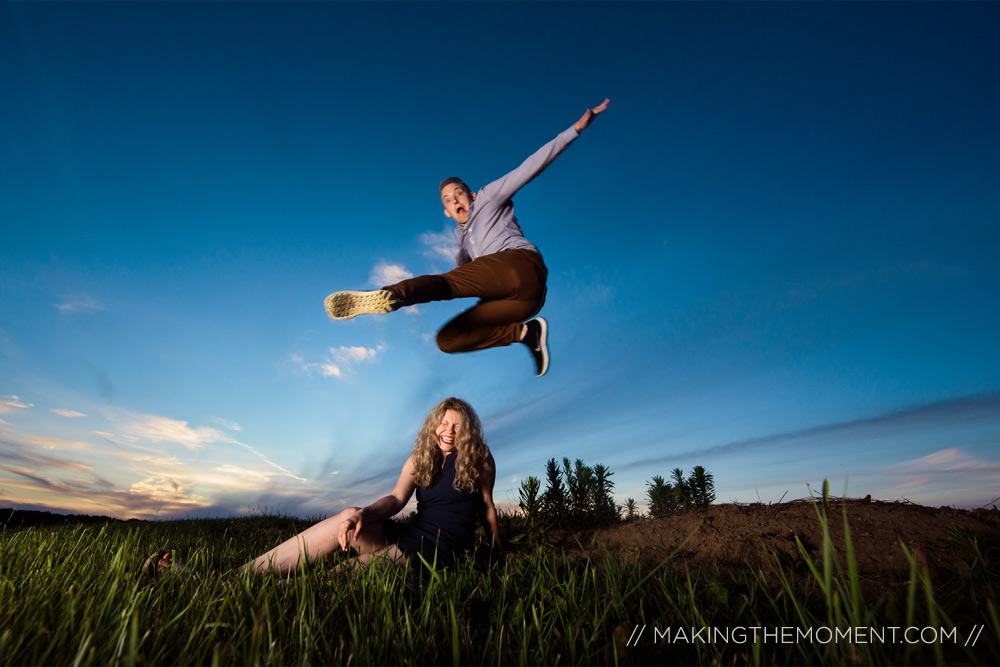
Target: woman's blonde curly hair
[[470, 447]]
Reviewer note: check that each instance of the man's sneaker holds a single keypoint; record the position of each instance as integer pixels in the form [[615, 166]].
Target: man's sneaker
[[537, 340], [347, 304]]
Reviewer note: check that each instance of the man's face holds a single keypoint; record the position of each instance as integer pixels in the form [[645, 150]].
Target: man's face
[[457, 202]]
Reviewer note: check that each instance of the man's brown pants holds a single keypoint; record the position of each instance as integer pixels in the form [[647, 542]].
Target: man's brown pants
[[510, 285]]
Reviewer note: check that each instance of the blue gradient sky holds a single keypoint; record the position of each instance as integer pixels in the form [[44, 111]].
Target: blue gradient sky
[[774, 255]]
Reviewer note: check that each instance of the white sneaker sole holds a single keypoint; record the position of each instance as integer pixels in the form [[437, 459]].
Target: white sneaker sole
[[349, 303], [543, 344]]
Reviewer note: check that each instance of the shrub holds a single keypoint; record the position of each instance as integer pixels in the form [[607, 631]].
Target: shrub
[[554, 500], [604, 509], [695, 492], [701, 486], [531, 507], [630, 509]]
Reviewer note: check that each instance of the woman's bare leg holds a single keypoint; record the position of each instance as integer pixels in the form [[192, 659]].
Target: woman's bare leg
[[317, 541], [388, 554]]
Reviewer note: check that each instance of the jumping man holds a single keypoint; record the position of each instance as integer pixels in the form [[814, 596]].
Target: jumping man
[[494, 262]]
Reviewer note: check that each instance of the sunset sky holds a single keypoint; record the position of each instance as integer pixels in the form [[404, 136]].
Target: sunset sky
[[775, 255]]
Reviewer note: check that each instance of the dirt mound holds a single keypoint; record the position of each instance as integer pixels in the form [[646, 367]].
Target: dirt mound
[[731, 538]]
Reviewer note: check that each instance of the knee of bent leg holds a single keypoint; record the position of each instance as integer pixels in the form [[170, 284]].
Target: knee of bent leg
[[447, 341]]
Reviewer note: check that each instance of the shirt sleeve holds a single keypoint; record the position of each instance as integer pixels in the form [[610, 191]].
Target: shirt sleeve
[[507, 186]]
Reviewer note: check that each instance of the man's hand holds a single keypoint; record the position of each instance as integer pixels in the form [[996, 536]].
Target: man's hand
[[352, 520], [588, 116]]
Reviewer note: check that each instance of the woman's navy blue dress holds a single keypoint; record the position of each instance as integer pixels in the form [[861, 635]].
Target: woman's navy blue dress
[[445, 519]]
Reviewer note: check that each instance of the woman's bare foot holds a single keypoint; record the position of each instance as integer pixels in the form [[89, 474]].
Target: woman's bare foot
[[162, 562]]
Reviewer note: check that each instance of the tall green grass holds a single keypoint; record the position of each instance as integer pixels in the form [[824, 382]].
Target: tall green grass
[[71, 595]]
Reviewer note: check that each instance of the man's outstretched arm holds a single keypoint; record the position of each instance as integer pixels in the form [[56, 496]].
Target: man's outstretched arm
[[589, 115], [505, 187]]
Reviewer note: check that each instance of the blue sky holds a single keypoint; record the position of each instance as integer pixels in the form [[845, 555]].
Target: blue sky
[[773, 256]]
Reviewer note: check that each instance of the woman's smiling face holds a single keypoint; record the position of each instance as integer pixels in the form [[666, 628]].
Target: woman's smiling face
[[447, 431]]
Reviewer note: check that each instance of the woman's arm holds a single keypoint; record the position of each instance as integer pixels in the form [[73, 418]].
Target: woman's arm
[[486, 481], [383, 508]]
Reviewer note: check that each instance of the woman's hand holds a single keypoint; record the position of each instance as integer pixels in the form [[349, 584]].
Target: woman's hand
[[353, 518]]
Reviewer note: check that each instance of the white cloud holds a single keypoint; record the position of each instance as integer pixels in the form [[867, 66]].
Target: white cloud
[[330, 369], [343, 359], [124, 441], [353, 354], [244, 474], [949, 475], [80, 303], [162, 478], [56, 443], [9, 402], [66, 413], [230, 425], [440, 245], [340, 360], [158, 488], [152, 428], [385, 273], [950, 460], [284, 471]]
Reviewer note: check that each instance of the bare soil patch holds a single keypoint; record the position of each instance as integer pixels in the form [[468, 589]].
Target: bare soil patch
[[732, 538]]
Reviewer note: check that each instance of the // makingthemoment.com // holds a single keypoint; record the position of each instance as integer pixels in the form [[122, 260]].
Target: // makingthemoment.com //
[[794, 635]]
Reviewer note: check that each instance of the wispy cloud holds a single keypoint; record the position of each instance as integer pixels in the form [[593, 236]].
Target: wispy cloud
[[67, 413], [147, 498], [952, 461], [7, 403], [385, 273], [439, 245], [934, 477], [80, 303], [340, 361], [246, 474], [284, 471], [61, 444], [968, 411], [230, 425], [156, 429], [153, 476], [167, 490], [20, 453]]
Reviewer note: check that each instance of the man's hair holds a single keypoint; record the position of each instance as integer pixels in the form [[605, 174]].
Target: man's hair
[[454, 179]]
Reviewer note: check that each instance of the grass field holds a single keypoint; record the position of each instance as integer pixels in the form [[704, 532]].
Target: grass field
[[72, 595]]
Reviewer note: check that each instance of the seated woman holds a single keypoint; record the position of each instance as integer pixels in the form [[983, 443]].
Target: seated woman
[[452, 471]]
